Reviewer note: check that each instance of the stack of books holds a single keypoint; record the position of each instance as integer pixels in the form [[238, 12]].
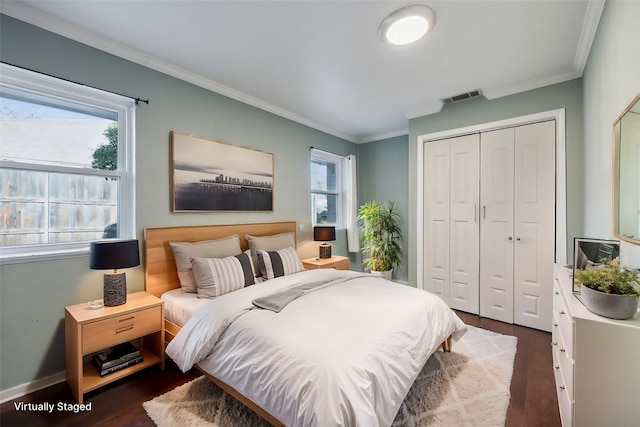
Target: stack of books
[[115, 358]]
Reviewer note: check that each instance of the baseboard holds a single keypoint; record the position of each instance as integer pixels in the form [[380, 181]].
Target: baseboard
[[26, 388]]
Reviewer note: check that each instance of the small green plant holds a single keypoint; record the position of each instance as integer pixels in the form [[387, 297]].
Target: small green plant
[[380, 236], [610, 279]]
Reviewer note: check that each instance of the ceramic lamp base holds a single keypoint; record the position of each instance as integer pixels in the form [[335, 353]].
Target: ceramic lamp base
[[325, 251], [115, 289]]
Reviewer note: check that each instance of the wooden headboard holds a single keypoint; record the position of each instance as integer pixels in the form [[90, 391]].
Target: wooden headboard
[[160, 274]]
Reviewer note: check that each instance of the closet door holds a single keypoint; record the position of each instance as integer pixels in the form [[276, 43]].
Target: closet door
[[436, 218], [534, 225], [451, 227], [496, 227], [464, 229], [517, 231]]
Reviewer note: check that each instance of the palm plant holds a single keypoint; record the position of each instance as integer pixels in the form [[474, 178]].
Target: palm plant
[[380, 236]]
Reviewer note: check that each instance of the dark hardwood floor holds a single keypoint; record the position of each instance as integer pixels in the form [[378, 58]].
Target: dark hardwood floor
[[533, 396]]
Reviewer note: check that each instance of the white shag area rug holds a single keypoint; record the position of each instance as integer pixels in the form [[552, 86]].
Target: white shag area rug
[[467, 387]]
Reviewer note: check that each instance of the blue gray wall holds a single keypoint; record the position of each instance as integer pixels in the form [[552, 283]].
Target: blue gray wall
[[33, 295], [382, 176], [611, 81]]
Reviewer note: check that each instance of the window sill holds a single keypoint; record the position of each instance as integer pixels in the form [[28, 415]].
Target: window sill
[[42, 255]]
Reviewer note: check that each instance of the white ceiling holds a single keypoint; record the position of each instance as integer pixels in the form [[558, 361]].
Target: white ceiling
[[321, 63]]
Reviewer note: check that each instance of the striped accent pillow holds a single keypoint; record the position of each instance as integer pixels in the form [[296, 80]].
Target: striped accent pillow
[[219, 276], [268, 243], [184, 251], [279, 263]]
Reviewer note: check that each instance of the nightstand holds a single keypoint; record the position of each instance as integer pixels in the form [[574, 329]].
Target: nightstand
[[140, 319], [337, 262]]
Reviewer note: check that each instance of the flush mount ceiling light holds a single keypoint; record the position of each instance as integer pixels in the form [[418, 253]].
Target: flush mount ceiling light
[[407, 25]]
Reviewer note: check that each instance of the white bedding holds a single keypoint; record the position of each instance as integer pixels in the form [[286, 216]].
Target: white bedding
[[179, 306], [341, 355]]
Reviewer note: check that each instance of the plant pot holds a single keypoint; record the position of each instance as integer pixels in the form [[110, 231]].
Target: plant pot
[[612, 306], [383, 274]]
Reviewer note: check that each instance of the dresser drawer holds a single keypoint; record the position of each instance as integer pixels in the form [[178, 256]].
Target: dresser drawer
[[565, 399], [108, 332], [564, 321], [566, 409], [565, 365]]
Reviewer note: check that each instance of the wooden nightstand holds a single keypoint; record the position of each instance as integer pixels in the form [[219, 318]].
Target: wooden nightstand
[[87, 331], [337, 262]]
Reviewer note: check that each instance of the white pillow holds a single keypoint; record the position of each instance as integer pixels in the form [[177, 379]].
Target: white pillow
[[279, 263], [218, 276], [183, 251]]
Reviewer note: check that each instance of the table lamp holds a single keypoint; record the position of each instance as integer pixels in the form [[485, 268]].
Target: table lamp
[[324, 234], [107, 255]]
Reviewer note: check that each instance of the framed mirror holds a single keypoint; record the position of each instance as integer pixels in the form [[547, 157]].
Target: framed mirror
[[626, 174], [590, 253]]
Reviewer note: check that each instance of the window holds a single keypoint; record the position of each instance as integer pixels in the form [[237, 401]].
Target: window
[[66, 166], [328, 200]]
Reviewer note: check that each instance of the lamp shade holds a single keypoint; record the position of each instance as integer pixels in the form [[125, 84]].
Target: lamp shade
[[112, 255], [324, 233]]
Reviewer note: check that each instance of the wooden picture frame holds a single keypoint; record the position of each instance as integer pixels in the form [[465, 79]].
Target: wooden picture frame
[[208, 175]]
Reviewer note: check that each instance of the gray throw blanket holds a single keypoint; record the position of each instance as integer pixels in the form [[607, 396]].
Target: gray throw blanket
[[279, 300]]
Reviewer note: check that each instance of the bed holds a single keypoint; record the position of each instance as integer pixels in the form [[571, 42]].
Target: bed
[[343, 351]]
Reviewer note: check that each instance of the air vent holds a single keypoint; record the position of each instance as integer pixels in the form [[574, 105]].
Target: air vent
[[461, 97]]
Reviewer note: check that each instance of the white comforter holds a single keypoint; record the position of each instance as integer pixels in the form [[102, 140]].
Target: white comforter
[[342, 355]]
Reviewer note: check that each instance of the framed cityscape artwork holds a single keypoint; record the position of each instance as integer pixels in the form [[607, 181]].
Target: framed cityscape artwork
[[208, 175]]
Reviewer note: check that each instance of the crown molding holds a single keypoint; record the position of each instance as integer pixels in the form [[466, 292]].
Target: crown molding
[[381, 136], [589, 28], [529, 85], [47, 22], [432, 108]]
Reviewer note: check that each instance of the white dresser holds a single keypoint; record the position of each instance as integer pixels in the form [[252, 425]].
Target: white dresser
[[596, 362]]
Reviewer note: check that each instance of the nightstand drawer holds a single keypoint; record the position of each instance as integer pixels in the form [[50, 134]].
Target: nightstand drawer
[[108, 332]]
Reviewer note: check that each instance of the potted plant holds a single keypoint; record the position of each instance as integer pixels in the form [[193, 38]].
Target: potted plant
[[381, 237], [610, 291]]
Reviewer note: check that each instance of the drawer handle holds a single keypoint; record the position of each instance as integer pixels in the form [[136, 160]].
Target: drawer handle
[[557, 367], [127, 319], [554, 343], [562, 312], [124, 328], [557, 293], [562, 387], [555, 324], [562, 350]]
